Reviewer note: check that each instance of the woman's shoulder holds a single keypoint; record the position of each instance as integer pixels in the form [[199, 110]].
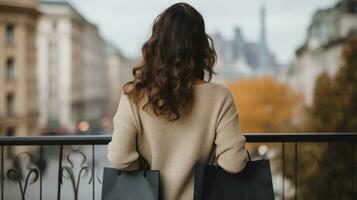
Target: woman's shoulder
[[221, 87], [219, 90]]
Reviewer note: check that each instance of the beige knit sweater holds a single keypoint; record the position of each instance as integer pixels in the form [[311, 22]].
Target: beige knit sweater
[[175, 147]]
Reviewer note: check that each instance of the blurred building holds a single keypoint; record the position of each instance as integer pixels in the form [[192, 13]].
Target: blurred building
[[119, 72], [18, 81], [238, 58], [96, 87], [72, 68], [264, 57], [322, 49]]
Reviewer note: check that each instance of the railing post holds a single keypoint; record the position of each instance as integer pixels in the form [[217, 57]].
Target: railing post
[[296, 170], [59, 173], [41, 168], [283, 158], [2, 172], [93, 172], [353, 169]]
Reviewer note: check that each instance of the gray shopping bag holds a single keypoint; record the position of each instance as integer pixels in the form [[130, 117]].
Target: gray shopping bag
[[131, 185], [254, 182]]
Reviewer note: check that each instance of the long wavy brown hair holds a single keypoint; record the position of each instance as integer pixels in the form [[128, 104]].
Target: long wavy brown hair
[[178, 51]]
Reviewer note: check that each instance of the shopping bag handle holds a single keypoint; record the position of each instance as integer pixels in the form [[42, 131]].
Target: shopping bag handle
[[143, 165], [249, 158], [214, 157]]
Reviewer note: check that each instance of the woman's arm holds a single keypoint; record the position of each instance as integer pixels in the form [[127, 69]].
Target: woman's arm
[[122, 150], [230, 144]]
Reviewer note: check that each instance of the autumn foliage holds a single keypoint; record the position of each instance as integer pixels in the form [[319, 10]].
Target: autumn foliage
[[334, 111], [264, 105], [335, 98]]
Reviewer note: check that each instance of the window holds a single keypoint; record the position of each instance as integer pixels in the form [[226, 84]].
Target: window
[[54, 26], [10, 70], [10, 104], [352, 7], [10, 33], [10, 131]]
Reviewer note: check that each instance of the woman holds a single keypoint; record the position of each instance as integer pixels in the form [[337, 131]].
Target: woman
[[169, 114]]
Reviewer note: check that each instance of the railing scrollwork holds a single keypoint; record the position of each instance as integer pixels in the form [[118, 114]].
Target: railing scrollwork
[[24, 173], [78, 165], [68, 172]]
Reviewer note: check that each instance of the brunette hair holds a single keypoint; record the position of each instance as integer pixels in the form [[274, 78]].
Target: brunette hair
[[178, 51]]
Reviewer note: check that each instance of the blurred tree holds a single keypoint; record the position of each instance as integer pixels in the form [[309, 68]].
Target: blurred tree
[[335, 99], [334, 109], [264, 105], [324, 104]]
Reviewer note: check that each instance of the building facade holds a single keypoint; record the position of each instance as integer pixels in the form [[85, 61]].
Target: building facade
[[119, 73], [96, 87], [18, 80], [72, 68], [321, 52]]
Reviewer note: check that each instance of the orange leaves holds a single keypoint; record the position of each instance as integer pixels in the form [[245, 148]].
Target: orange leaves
[[264, 105]]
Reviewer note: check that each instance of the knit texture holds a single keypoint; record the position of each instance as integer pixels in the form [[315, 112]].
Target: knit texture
[[174, 148]]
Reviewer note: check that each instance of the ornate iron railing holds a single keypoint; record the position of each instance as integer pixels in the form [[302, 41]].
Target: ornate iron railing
[[304, 166]]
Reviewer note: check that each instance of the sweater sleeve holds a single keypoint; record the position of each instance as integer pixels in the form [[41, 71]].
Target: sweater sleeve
[[230, 144], [122, 151]]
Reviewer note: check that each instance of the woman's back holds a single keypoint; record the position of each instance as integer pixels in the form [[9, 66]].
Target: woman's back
[[175, 147]]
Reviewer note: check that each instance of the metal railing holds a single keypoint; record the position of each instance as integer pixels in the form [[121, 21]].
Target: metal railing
[[54, 167]]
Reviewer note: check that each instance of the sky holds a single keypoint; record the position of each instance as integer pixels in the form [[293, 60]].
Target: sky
[[127, 23]]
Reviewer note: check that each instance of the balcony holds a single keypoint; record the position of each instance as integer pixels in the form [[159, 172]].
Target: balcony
[[304, 166]]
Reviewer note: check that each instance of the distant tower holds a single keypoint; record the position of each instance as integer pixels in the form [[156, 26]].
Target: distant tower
[[263, 61]]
